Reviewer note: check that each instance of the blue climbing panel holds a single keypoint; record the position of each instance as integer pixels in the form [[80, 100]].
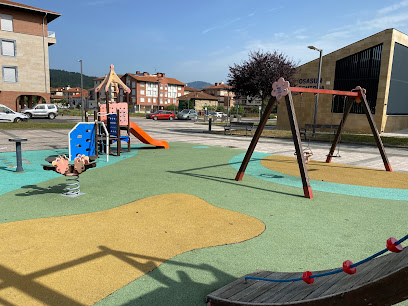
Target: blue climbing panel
[[113, 128], [82, 140], [113, 125]]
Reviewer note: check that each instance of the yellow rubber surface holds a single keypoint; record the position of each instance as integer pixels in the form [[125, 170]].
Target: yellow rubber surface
[[83, 258], [338, 173]]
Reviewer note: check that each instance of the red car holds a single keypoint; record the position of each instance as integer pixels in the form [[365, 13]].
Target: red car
[[161, 115]]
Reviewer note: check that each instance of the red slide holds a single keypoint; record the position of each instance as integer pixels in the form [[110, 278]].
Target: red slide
[[145, 138]]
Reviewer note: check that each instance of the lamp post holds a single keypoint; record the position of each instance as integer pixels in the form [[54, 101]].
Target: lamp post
[[82, 90], [318, 86], [228, 102]]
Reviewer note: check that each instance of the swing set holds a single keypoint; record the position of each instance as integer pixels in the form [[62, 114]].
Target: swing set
[[282, 88]]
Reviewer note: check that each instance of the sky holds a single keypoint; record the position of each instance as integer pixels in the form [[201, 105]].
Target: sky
[[200, 40]]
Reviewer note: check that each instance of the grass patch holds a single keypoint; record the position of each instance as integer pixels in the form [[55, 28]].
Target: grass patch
[[345, 137], [32, 125]]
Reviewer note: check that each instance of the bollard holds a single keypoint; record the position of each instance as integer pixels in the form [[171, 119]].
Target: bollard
[[209, 124], [18, 153]]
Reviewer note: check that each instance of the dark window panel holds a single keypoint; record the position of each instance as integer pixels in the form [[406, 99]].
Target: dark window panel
[[359, 69]]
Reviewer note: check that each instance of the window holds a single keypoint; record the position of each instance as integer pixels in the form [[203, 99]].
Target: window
[[149, 93], [154, 100], [179, 95], [165, 94], [10, 74], [359, 69], [8, 47], [149, 100], [179, 88], [133, 92], [161, 94], [141, 99], [161, 101], [165, 86], [51, 106], [165, 101], [40, 106], [133, 84], [161, 86], [4, 109], [142, 92], [142, 84], [6, 22]]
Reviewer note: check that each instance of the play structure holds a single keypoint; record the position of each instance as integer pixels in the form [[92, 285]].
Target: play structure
[[378, 281], [282, 88], [115, 115]]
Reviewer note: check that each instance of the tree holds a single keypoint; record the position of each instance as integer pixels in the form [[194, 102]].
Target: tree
[[186, 105], [255, 76]]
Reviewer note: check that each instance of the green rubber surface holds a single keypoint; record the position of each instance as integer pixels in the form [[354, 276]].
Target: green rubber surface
[[301, 234]]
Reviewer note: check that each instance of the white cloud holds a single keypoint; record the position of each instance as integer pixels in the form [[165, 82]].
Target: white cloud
[[385, 22], [393, 7]]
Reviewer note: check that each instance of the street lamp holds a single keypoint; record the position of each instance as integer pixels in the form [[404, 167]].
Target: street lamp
[[82, 90], [318, 86]]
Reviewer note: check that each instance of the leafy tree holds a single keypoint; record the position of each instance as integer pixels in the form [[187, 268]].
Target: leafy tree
[[62, 78], [255, 76], [170, 107], [186, 105]]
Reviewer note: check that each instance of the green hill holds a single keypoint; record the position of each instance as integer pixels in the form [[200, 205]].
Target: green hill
[[62, 78], [199, 84]]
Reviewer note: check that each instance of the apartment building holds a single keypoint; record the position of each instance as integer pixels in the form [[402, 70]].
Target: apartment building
[[151, 92], [223, 92], [24, 39]]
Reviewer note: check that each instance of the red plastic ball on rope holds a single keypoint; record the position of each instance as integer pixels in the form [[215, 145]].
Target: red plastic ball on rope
[[306, 277], [392, 247], [347, 269]]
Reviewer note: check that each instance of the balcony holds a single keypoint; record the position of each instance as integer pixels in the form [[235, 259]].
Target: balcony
[[51, 38]]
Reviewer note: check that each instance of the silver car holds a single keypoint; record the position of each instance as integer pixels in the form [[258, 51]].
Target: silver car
[[8, 115], [187, 114], [42, 111]]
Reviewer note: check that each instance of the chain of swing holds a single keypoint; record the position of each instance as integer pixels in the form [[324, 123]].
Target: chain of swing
[[307, 150]]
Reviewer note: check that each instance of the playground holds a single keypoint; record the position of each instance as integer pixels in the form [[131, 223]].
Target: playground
[[168, 223]]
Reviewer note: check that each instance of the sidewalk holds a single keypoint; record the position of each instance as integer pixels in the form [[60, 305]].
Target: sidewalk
[[187, 131]]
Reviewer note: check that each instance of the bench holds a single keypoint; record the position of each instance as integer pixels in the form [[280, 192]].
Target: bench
[[247, 126], [319, 129]]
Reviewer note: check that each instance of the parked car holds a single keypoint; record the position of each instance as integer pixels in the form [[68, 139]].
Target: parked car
[[161, 115], [42, 110], [220, 114], [8, 115], [187, 114]]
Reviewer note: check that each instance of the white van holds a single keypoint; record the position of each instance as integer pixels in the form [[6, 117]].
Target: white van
[[8, 115]]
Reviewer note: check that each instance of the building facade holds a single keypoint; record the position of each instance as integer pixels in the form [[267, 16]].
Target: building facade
[[24, 39], [378, 63], [151, 92], [247, 102], [200, 99], [223, 93]]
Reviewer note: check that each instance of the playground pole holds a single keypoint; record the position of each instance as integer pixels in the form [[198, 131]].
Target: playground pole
[[82, 91], [318, 86]]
